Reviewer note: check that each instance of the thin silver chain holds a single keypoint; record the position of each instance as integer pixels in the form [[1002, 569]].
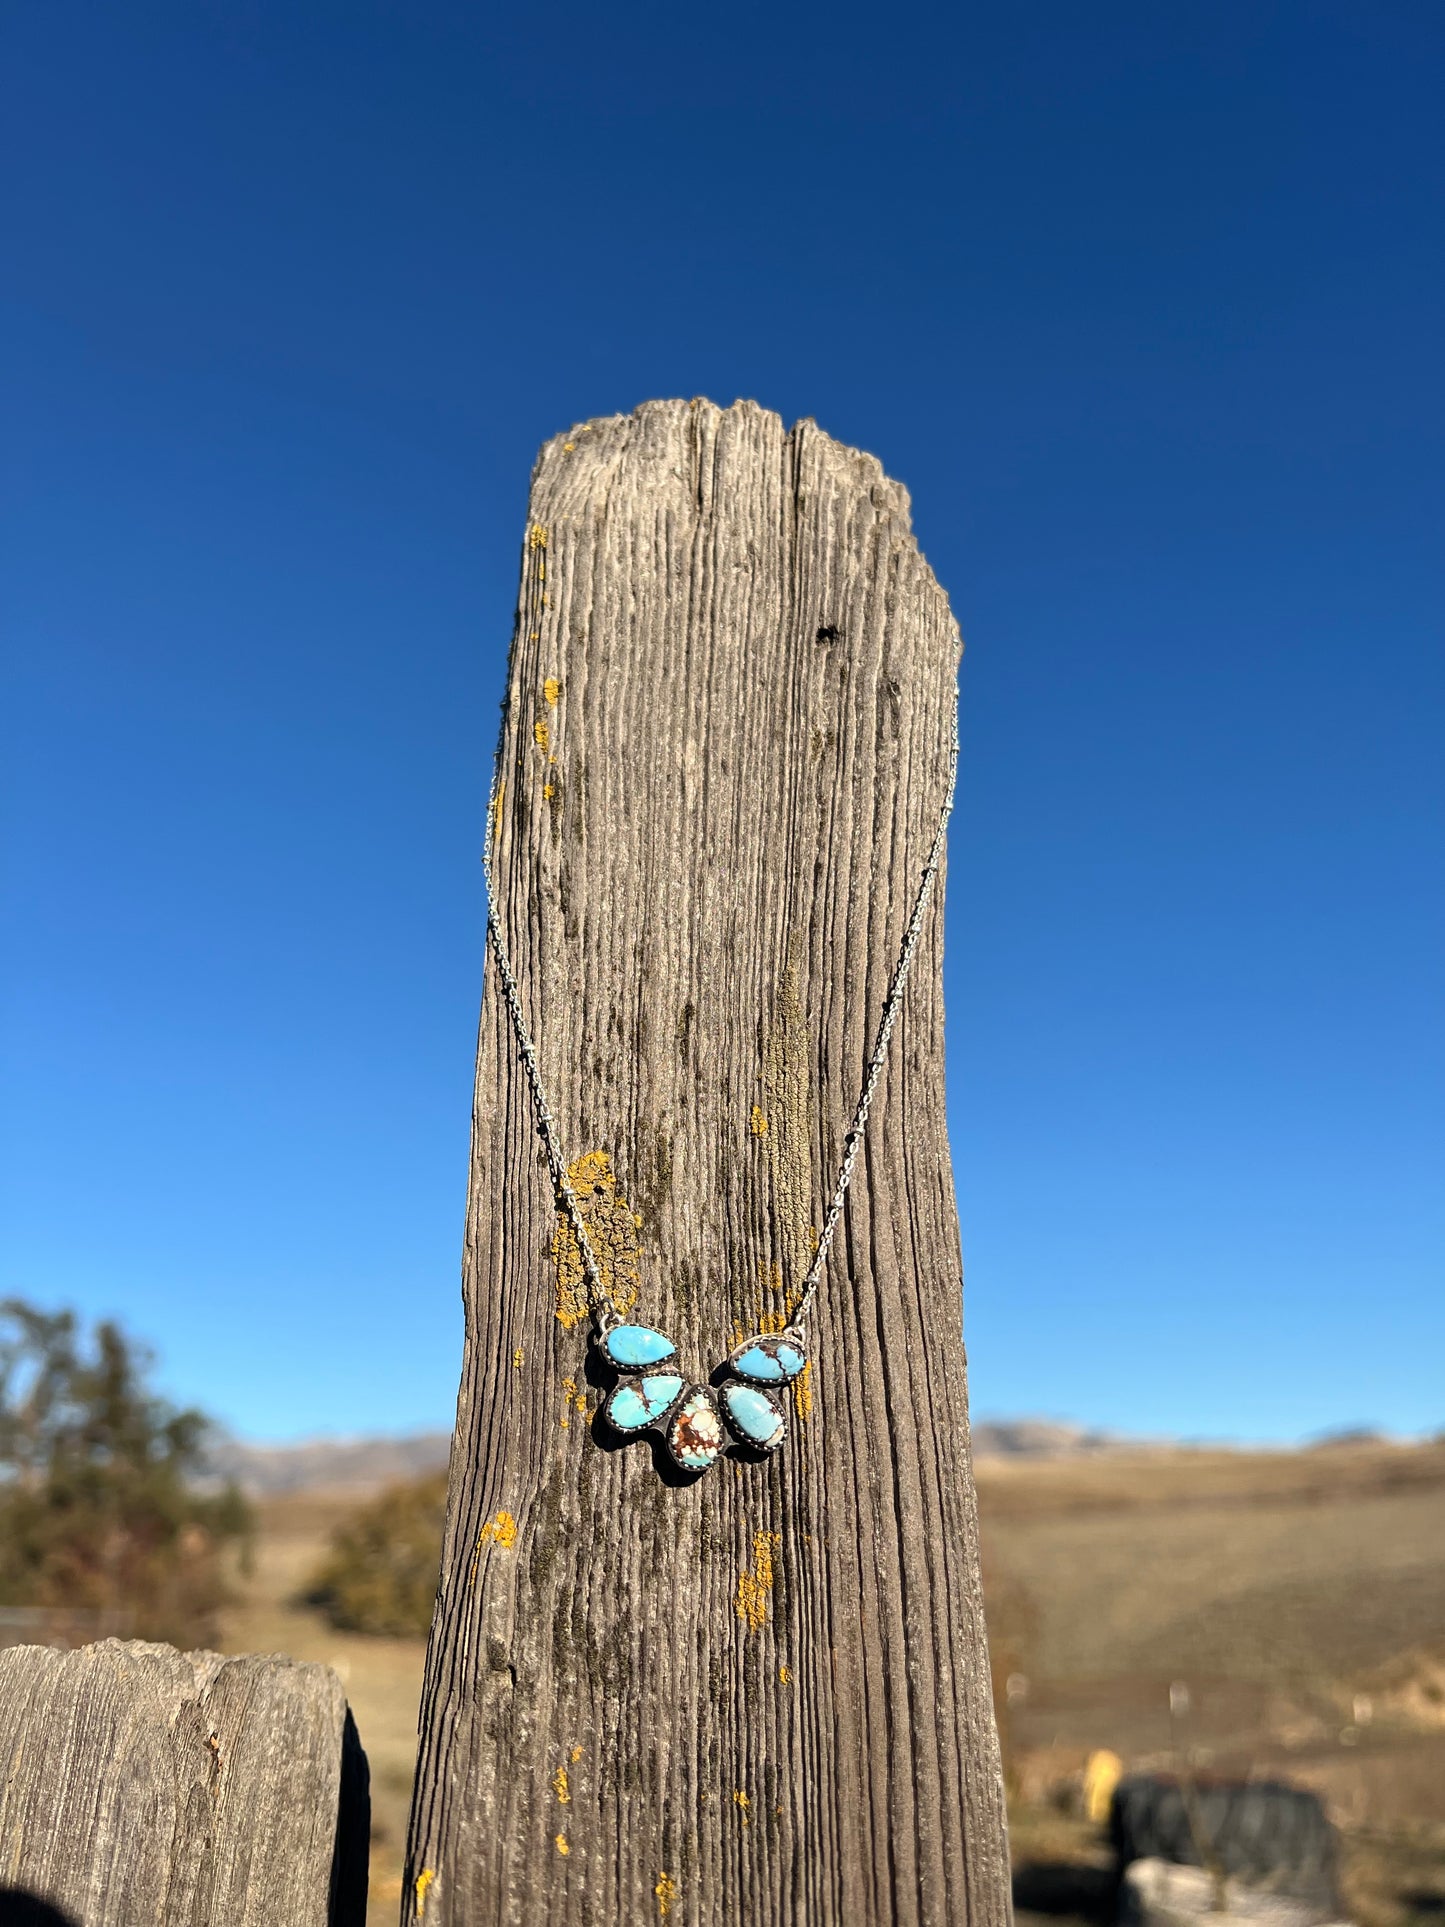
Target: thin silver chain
[[598, 1299]]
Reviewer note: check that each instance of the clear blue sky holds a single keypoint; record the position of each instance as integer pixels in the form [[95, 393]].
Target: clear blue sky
[[1144, 303]]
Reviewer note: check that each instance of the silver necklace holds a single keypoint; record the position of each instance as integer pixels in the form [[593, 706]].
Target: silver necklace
[[697, 1422]]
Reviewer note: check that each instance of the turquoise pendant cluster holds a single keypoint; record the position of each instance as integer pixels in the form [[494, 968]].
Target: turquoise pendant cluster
[[697, 1422]]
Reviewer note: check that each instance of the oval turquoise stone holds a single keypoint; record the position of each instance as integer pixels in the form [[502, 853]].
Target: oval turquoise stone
[[757, 1363], [774, 1360], [754, 1415], [633, 1345], [642, 1402]]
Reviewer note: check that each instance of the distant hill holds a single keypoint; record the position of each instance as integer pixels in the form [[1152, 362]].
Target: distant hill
[[359, 1464], [1041, 1438], [362, 1464]]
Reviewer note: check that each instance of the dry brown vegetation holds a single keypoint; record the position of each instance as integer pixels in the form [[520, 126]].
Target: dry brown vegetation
[[1301, 1595]]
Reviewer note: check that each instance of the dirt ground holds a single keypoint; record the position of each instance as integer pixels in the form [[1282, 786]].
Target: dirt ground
[[1298, 1598]]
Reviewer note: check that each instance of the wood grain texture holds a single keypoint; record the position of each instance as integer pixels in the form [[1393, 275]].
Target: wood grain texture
[[762, 1697], [139, 1785]]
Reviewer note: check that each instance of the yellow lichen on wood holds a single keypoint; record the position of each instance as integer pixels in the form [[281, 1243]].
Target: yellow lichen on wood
[[560, 1843], [423, 1882], [756, 1582], [612, 1228], [785, 1675], [549, 790], [803, 1392], [540, 734], [551, 690], [742, 1803], [500, 1529], [666, 1891], [759, 1123], [575, 1755], [517, 1359], [559, 1786], [537, 538]]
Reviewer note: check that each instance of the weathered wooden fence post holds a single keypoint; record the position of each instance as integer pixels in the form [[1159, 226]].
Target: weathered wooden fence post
[[139, 1784], [762, 1698]]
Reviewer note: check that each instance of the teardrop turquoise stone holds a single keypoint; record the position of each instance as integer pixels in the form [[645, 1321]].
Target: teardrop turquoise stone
[[633, 1406], [696, 1436], [633, 1345], [754, 1414]]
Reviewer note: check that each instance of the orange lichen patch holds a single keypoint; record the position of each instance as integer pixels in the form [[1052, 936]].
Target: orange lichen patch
[[759, 1123], [551, 690], [559, 1786], [756, 1582], [803, 1392], [539, 733], [765, 1320], [666, 1891], [560, 1843], [742, 1803], [501, 1529], [571, 1397], [423, 1881], [612, 1228]]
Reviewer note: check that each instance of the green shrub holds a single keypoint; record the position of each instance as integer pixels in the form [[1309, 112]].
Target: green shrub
[[380, 1575], [100, 1519]]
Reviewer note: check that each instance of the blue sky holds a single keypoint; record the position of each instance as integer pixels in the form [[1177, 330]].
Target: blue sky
[[1144, 305]]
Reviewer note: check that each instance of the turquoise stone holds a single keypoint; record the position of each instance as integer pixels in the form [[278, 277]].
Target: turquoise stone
[[772, 1360], [642, 1401], [631, 1346], [696, 1437], [754, 1415]]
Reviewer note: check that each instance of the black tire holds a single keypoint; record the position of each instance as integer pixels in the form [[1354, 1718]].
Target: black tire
[[1263, 1833]]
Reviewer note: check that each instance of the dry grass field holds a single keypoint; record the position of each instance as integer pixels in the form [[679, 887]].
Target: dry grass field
[[382, 1676], [1300, 1596]]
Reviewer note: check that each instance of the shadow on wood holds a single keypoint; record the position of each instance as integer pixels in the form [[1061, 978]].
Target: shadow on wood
[[19, 1909]]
